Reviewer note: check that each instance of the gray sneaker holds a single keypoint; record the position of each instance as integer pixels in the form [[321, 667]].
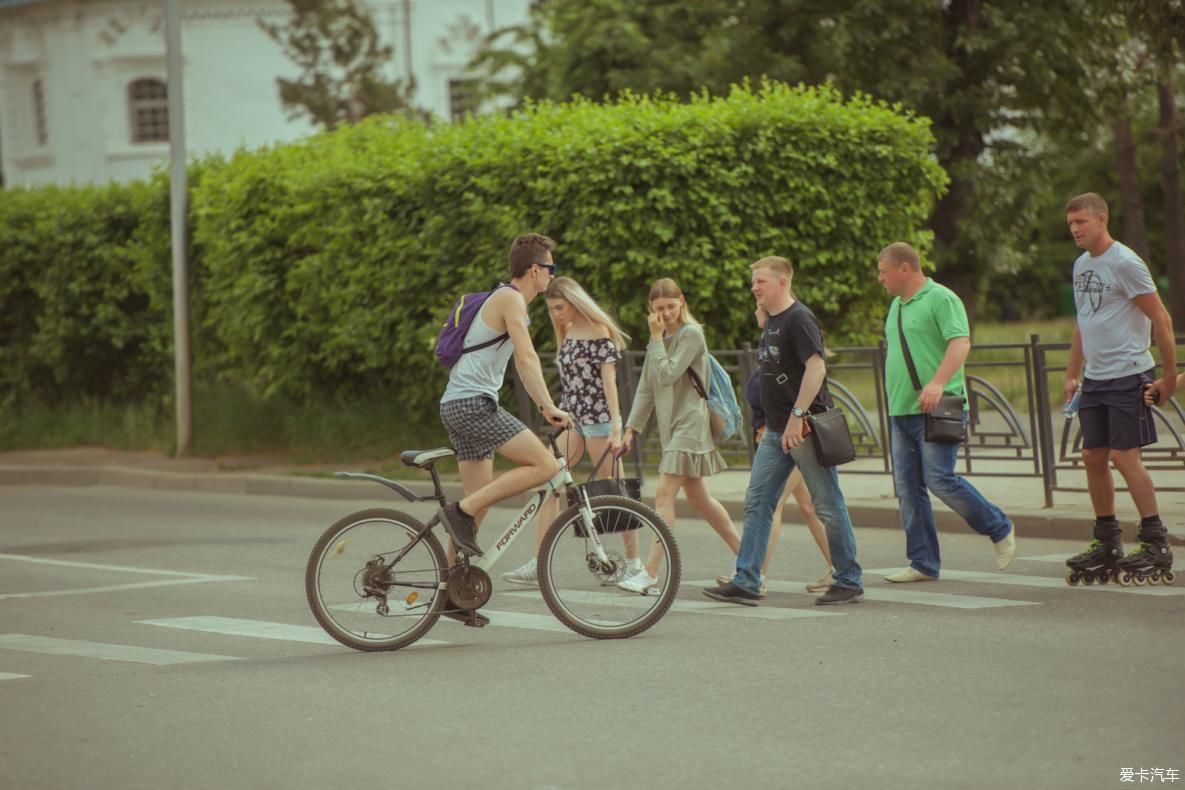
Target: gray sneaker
[[837, 596]]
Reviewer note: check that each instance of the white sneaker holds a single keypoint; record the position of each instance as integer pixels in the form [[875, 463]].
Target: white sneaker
[[824, 583], [640, 582], [527, 575], [1006, 549], [910, 575]]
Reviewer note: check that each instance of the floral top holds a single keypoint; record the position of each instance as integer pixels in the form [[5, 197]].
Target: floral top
[[580, 364]]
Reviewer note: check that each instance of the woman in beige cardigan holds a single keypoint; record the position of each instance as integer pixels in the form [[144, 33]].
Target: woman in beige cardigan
[[665, 390]]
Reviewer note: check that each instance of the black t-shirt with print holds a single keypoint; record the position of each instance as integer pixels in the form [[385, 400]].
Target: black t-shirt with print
[[788, 340]]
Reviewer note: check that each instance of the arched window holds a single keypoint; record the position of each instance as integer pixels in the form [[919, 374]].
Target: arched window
[[40, 124], [148, 102]]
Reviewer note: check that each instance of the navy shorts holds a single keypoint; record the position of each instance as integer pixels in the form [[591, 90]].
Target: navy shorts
[[1113, 415]]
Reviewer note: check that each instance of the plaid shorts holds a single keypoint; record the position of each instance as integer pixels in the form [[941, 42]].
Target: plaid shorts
[[478, 426]]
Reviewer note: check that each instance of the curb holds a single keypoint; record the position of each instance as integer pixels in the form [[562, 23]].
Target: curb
[[1028, 524]]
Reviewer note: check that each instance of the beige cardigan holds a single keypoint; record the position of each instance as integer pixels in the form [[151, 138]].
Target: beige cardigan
[[665, 390]]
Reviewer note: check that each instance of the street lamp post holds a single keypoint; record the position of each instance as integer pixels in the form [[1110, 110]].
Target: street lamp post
[[178, 205]]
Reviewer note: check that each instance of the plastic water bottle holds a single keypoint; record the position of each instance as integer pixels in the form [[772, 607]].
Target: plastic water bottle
[[1071, 407]]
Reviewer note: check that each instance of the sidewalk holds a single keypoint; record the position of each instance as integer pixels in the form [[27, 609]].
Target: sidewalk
[[870, 497]]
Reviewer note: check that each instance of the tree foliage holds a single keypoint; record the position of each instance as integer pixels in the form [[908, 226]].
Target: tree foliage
[[336, 46], [1001, 81]]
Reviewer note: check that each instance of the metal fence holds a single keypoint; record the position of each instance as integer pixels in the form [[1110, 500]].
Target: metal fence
[[1015, 424]]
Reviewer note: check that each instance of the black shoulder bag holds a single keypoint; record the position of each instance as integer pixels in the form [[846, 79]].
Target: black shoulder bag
[[608, 521], [944, 425], [830, 435]]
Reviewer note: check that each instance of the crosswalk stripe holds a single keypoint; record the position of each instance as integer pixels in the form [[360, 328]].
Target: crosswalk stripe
[[1036, 581], [525, 620], [1060, 559], [11, 676], [259, 629], [106, 652], [893, 595], [706, 607]]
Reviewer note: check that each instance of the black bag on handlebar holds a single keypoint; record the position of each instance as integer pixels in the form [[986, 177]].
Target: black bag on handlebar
[[612, 521]]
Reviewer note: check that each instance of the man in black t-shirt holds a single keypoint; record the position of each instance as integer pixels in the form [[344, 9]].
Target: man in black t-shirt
[[793, 384]]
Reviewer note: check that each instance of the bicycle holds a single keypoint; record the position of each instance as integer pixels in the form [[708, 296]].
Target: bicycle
[[379, 579]]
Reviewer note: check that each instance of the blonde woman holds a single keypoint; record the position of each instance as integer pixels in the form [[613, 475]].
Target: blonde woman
[[665, 390], [589, 344]]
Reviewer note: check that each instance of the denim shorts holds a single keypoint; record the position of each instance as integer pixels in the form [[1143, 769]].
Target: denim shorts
[[597, 430], [1113, 415]]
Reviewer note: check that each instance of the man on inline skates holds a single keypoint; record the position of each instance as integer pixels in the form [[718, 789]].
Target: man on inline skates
[[1117, 304]]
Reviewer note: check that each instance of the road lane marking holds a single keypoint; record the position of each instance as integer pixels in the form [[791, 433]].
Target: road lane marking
[[117, 568], [260, 629], [1037, 581], [10, 676], [120, 587], [106, 652], [700, 607], [893, 595], [176, 577]]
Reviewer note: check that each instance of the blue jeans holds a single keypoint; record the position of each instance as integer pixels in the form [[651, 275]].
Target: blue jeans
[[771, 469], [919, 466]]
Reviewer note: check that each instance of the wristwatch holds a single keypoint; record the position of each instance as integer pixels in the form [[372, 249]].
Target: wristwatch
[[797, 412]]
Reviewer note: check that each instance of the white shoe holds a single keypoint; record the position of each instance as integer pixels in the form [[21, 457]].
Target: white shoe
[[625, 570], [824, 583], [910, 575], [527, 575], [1006, 549], [640, 582]]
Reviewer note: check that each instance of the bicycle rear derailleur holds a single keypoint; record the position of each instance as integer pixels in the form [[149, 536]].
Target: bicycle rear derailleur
[[375, 579]]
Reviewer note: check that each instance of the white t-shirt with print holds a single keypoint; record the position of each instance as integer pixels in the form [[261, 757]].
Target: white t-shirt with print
[[1115, 332]]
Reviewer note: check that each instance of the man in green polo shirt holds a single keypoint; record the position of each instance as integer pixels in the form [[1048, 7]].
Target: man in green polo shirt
[[934, 323]]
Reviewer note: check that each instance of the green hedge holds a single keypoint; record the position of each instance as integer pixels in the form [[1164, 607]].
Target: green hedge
[[323, 268], [85, 303]]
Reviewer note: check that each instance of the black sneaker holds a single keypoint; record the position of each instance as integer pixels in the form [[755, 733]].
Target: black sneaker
[[731, 593], [470, 617], [838, 596], [461, 528]]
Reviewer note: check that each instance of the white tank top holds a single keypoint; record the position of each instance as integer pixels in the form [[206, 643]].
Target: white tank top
[[480, 372]]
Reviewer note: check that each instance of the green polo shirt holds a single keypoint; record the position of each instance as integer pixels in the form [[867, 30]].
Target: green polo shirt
[[932, 318]]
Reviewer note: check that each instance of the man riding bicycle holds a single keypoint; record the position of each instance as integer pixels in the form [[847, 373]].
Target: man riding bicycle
[[477, 426]]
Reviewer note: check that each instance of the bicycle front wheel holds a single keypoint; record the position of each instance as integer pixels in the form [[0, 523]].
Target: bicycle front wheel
[[579, 583], [372, 584]]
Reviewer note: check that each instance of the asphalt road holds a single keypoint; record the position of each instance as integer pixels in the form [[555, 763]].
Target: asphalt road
[[157, 639]]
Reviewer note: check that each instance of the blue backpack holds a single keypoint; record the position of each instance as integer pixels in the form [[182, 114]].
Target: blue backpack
[[723, 410], [450, 343]]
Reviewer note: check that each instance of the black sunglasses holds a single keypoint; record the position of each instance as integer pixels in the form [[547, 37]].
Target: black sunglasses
[[549, 266]]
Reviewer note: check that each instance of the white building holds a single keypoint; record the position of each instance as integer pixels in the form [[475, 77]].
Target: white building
[[82, 82]]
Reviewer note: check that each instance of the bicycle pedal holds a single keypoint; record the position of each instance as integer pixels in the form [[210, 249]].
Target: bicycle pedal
[[469, 618]]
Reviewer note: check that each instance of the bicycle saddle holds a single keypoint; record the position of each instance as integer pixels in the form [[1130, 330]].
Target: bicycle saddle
[[422, 459]]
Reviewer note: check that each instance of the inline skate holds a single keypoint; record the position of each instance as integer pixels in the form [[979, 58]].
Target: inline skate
[[1099, 564], [1152, 563]]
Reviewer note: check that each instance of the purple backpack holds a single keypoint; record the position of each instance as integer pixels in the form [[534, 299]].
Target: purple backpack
[[450, 344]]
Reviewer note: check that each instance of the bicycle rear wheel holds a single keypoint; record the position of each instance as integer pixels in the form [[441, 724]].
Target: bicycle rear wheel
[[368, 589], [581, 590]]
